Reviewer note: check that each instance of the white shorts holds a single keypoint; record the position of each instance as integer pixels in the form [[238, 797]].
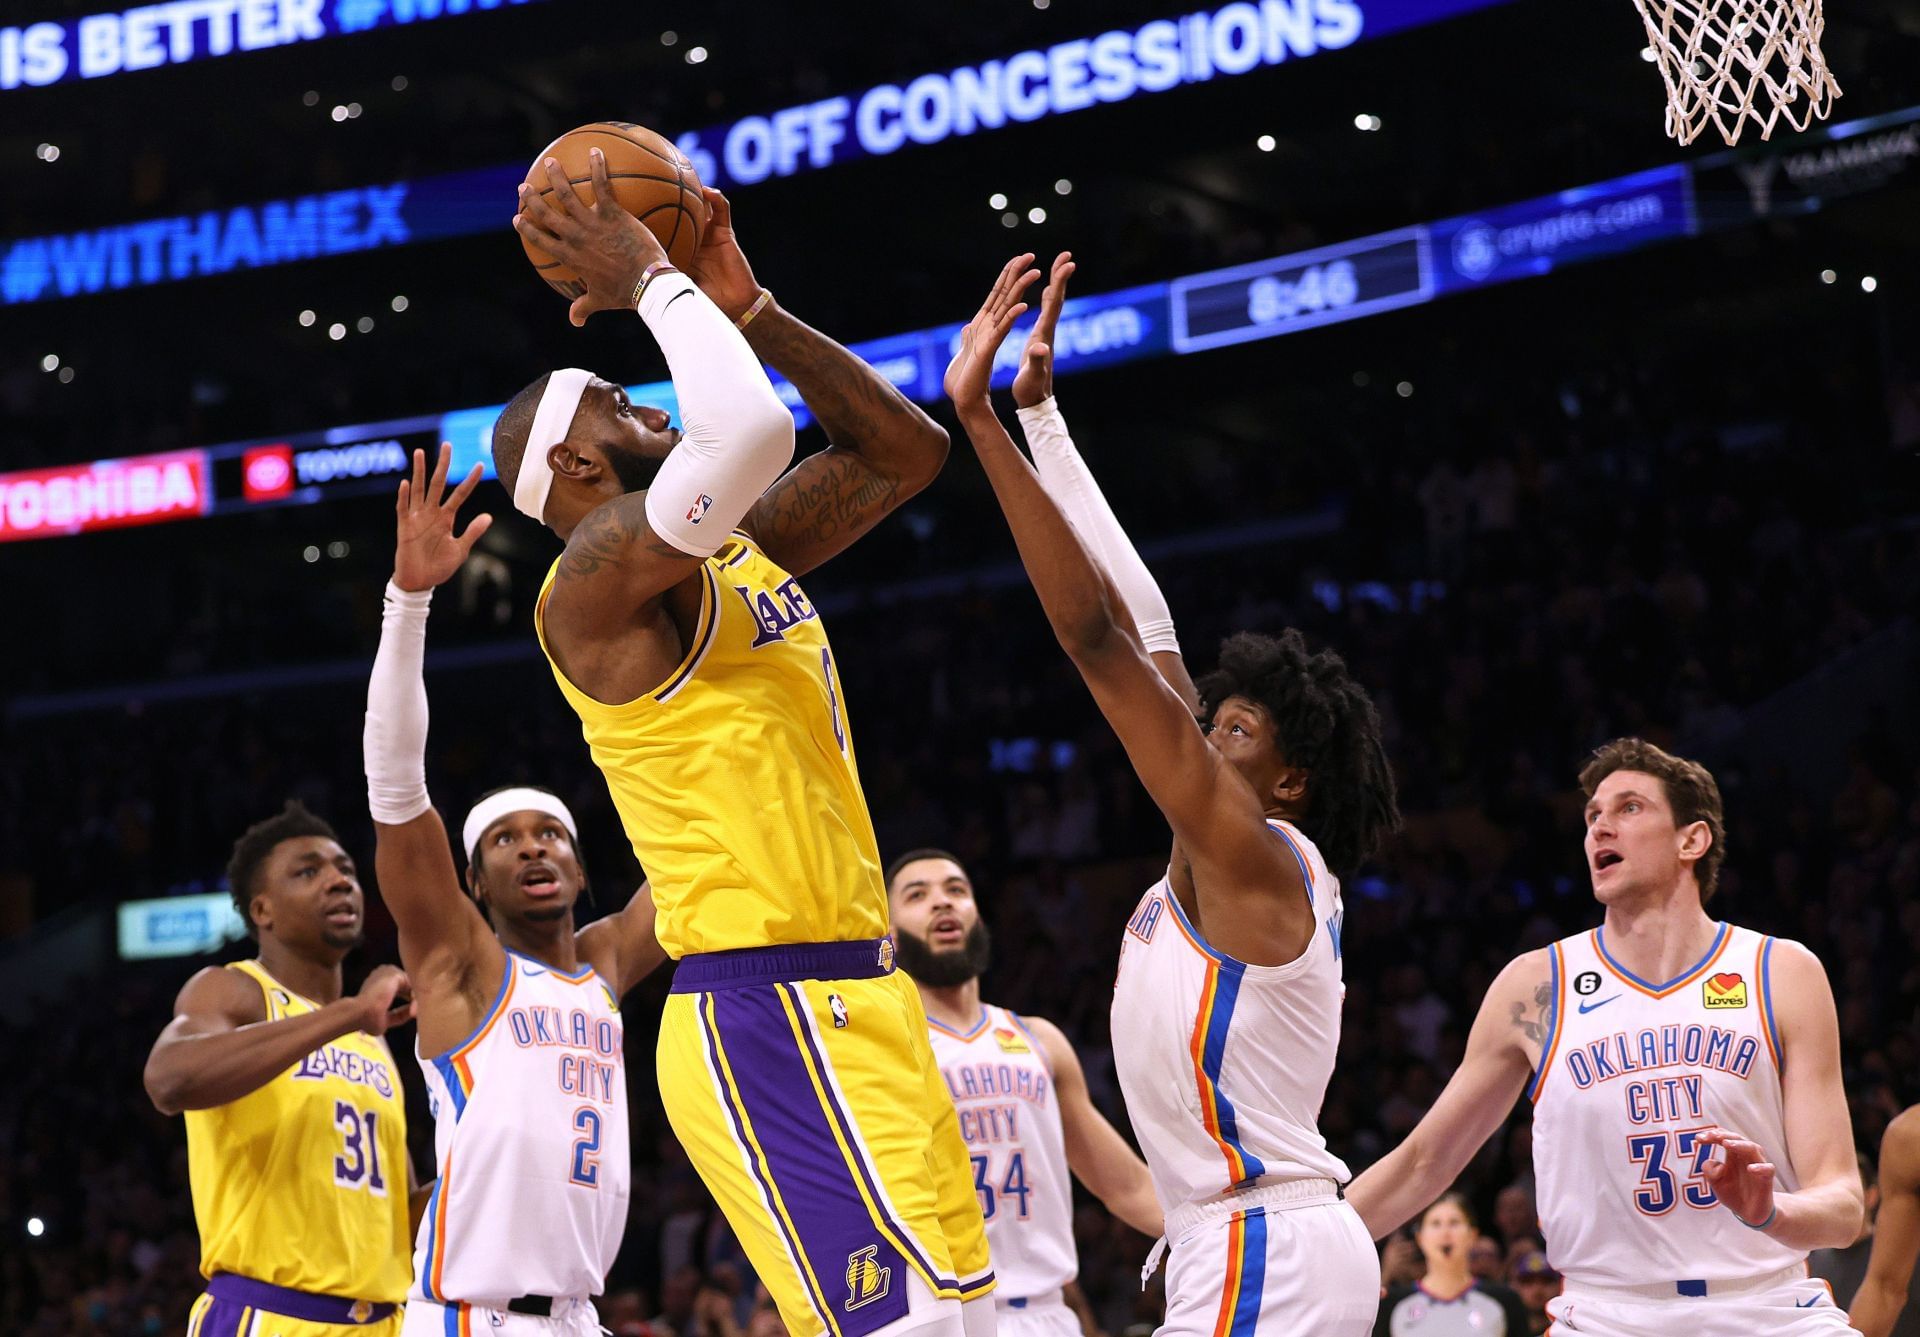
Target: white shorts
[[1036, 1316], [570, 1318], [1272, 1262], [1800, 1308]]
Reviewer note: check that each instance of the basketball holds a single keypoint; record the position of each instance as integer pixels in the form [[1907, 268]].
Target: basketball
[[652, 180]]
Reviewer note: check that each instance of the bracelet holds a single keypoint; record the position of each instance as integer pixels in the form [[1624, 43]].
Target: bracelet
[[647, 276], [1764, 1224], [759, 305]]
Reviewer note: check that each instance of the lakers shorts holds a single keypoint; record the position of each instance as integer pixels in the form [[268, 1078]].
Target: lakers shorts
[[800, 1081], [236, 1306]]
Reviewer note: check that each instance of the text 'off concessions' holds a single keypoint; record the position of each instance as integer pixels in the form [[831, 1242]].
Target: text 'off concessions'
[[106, 494]]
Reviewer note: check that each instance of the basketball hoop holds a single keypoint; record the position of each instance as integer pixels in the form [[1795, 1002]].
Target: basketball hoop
[[1727, 62]]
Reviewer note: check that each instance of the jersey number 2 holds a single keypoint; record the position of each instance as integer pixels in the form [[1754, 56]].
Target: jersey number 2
[[586, 1147], [358, 1164]]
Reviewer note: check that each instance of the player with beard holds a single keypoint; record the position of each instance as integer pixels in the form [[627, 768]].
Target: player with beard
[[1023, 1103], [520, 1035], [1691, 1141], [296, 1126]]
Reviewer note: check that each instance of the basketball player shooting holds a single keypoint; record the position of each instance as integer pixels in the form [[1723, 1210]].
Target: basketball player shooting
[[1229, 980], [520, 1037], [1024, 1108], [794, 1063], [1690, 1131]]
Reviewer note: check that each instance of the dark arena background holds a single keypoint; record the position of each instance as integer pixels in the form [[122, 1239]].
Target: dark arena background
[[1398, 321]]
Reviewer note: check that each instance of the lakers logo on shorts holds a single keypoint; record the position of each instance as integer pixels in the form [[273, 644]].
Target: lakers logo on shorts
[[360, 1312], [867, 1281], [1724, 990], [885, 959]]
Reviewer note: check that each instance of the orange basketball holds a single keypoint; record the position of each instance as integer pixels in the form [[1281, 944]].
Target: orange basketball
[[652, 180]]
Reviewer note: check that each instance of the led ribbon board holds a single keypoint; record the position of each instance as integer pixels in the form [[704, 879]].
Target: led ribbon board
[[177, 32]]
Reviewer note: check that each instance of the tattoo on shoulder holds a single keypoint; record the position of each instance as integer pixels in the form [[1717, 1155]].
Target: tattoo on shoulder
[[1532, 1021], [840, 495], [608, 536]]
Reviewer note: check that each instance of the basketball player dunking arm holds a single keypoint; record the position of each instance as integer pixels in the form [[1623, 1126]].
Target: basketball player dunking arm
[[296, 1126], [1229, 981], [520, 1034], [1024, 1108], [1882, 1297], [794, 1063], [1690, 1133]]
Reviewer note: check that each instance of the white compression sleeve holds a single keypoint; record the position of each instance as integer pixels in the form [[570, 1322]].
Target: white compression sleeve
[[1066, 476], [396, 733], [738, 436]]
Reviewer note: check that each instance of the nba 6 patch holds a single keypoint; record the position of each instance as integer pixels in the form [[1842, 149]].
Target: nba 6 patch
[[1724, 990]]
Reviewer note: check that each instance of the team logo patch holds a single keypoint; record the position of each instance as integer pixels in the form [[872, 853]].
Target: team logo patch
[[867, 1281], [1011, 1041], [1586, 982], [360, 1312], [886, 956], [1724, 990]]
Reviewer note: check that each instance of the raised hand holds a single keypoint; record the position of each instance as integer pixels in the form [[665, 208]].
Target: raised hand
[[719, 266], [601, 242], [1742, 1178], [387, 1000], [1034, 381], [428, 551], [971, 371]]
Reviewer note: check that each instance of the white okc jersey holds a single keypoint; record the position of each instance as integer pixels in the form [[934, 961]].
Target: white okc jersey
[[1224, 1065], [1003, 1089], [1632, 1071], [530, 1136]]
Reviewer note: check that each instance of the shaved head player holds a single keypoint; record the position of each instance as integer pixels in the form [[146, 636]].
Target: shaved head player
[[793, 1059]]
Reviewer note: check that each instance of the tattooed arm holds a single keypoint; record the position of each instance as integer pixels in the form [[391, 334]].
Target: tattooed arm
[[884, 448], [1507, 1040]]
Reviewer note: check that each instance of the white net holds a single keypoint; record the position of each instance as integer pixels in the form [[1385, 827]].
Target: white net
[[1728, 62]]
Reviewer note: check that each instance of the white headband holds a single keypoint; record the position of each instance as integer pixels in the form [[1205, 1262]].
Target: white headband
[[495, 806], [558, 403]]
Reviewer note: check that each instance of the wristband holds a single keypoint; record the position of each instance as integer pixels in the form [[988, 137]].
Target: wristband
[[759, 305], [1764, 1224], [647, 276]]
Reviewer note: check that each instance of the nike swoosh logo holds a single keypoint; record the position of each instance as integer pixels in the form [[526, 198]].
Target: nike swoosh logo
[[1588, 1007], [1806, 1304], [528, 970]]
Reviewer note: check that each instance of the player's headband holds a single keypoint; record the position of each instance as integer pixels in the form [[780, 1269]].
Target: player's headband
[[495, 806], [558, 403]]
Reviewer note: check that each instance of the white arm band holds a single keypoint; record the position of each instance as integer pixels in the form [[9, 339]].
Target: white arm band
[[737, 435], [396, 734], [1065, 475]]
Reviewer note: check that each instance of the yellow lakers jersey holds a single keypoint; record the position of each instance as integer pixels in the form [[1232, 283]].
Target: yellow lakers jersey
[[303, 1182], [735, 778]]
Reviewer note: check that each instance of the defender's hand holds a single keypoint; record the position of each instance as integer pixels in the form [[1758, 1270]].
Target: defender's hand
[[1034, 381], [386, 998], [428, 551], [604, 244], [719, 266], [971, 371]]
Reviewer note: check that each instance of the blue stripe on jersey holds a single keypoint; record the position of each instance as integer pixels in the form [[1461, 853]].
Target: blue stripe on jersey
[[1600, 940], [1253, 1273], [1226, 993], [450, 1318], [1766, 1000], [1306, 872], [1553, 1020], [451, 1076], [430, 1219]]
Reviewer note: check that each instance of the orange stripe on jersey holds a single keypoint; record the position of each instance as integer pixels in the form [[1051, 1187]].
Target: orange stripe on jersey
[[459, 1056], [438, 1266], [1671, 986], [1236, 1260], [1559, 1020], [1209, 1104]]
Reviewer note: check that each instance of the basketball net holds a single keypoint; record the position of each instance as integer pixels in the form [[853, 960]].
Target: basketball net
[[1727, 62]]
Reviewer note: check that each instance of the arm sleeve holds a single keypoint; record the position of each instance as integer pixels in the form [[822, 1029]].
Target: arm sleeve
[[395, 739], [737, 435], [1066, 476]]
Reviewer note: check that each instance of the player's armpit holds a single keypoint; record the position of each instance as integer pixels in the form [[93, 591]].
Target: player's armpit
[[624, 948], [614, 563], [1896, 1231], [1476, 1101], [450, 954]]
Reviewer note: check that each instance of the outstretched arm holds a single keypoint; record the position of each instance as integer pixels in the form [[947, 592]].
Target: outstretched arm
[[220, 1045], [623, 947], [1509, 1036], [1255, 907], [1896, 1230], [885, 449], [1065, 475], [455, 962], [1826, 1210], [1096, 1153]]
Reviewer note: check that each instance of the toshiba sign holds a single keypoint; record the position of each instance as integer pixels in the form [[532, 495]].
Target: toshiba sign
[[105, 494]]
